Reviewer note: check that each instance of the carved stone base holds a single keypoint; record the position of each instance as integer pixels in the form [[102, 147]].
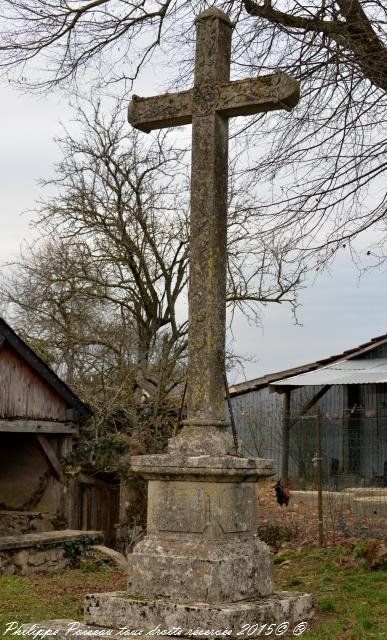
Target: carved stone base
[[201, 565], [195, 570], [201, 544]]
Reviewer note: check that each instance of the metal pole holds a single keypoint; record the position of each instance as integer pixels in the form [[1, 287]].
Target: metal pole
[[231, 412], [318, 479], [180, 414]]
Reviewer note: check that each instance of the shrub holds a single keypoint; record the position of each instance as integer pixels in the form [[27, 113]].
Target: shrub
[[275, 534]]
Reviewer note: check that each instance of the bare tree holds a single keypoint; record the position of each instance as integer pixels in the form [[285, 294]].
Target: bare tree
[[69, 322], [102, 294], [321, 167], [122, 256]]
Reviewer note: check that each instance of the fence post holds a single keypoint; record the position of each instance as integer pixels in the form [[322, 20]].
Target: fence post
[[319, 479], [285, 438]]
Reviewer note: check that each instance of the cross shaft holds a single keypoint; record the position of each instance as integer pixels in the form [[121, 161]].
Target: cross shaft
[[208, 106]]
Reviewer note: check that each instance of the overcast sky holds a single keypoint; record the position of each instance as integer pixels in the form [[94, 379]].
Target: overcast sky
[[336, 312]]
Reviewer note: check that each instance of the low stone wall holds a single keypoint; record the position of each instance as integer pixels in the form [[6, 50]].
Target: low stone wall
[[47, 551], [13, 523], [359, 501]]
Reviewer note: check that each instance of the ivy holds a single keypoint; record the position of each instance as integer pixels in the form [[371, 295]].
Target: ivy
[[74, 548]]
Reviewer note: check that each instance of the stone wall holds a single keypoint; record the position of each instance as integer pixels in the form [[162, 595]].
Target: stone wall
[[18, 522], [47, 551]]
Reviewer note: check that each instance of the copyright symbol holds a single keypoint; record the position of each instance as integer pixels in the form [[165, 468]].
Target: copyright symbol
[[282, 628], [300, 628]]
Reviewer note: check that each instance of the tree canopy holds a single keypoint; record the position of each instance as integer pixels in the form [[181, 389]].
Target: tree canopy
[[320, 168], [101, 294]]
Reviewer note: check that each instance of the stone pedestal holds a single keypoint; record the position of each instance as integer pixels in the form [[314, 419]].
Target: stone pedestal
[[202, 518], [201, 563]]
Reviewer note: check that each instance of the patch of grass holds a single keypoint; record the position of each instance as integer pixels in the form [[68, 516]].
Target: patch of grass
[[350, 598], [326, 605], [359, 548], [55, 595], [288, 554], [294, 582]]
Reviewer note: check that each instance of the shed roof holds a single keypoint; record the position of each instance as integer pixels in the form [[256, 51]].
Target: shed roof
[[271, 378], [7, 334], [359, 371]]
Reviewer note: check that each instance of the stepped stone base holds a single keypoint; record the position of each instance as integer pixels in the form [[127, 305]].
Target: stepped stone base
[[201, 571], [118, 610], [116, 615]]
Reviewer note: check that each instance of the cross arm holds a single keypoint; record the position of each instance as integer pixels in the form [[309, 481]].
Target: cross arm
[[256, 95], [160, 112]]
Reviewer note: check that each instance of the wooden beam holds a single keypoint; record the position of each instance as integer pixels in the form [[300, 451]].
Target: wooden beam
[[310, 404], [37, 426], [93, 482], [51, 456]]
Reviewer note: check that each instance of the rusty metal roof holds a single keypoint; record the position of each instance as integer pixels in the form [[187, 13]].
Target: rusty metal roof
[[263, 381], [359, 371]]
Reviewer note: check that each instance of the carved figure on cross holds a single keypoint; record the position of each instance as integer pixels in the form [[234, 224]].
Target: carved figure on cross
[[208, 106]]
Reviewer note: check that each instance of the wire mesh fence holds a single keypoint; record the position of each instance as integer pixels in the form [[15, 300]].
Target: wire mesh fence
[[342, 457]]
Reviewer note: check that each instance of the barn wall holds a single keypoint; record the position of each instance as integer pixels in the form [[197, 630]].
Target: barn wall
[[373, 430], [258, 416], [22, 466], [377, 352], [257, 419], [354, 445], [24, 394], [372, 435], [303, 433]]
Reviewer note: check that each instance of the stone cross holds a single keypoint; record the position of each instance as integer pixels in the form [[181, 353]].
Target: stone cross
[[208, 106], [201, 564]]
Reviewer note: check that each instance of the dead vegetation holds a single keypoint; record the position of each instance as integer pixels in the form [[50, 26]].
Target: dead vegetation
[[296, 526]]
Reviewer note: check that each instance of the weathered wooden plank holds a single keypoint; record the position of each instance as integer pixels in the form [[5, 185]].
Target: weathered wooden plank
[[51, 456], [24, 393], [91, 481], [37, 426], [27, 356]]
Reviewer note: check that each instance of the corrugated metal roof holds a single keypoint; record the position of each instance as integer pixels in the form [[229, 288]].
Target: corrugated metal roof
[[269, 379], [359, 371]]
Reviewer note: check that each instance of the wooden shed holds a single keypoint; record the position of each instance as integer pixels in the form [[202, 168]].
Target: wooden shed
[[39, 418], [275, 417]]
